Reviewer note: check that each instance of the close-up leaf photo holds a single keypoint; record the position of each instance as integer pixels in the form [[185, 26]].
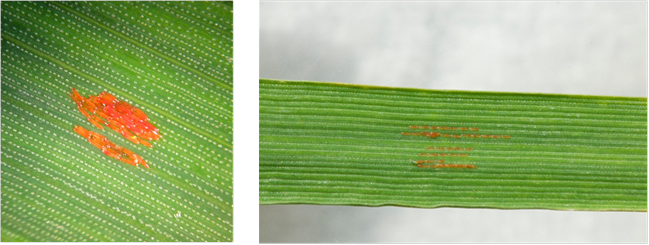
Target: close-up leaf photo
[[117, 121], [453, 122]]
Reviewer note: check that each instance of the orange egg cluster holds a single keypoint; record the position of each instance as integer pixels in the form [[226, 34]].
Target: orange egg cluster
[[429, 134], [471, 166], [457, 136], [105, 109], [109, 148], [428, 161], [443, 154]]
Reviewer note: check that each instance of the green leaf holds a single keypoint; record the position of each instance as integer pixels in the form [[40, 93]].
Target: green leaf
[[173, 60], [340, 144]]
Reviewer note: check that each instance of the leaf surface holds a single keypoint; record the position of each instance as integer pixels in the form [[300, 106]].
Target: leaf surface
[[173, 60], [340, 144]]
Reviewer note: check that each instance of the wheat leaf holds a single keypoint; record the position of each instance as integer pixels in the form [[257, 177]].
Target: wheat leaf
[[340, 144], [173, 60]]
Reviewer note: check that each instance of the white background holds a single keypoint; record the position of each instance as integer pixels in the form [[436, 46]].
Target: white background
[[595, 48], [246, 122]]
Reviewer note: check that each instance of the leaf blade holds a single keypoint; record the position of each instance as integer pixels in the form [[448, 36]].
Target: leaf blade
[[56, 186], [324, 143]]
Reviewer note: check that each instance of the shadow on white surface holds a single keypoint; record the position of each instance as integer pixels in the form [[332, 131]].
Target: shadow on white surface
[[340, 224]]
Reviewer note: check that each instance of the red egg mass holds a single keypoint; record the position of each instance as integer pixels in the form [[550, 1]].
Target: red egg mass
[[109, 148], [105, 109]]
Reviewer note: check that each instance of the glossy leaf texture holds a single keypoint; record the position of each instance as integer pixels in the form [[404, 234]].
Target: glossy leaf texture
[[172, 60], [341, 144]]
